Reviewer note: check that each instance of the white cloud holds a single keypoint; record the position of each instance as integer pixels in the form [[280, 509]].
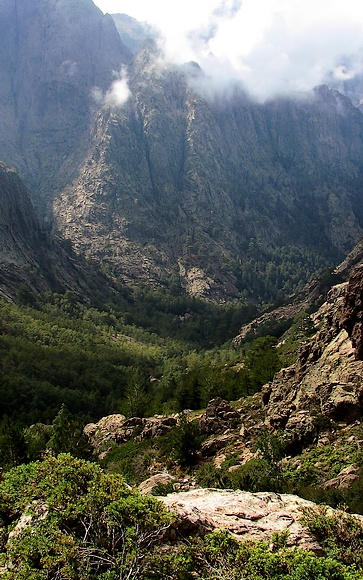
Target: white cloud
[[271, 46], [117, 95]]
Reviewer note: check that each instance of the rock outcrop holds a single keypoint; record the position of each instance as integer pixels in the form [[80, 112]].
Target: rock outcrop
[[248, 516], [117, 429], [325, 384], [352, 312], [219, 416], [309, 299]]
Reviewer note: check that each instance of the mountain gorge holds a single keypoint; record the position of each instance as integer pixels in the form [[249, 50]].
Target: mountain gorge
[[163, 328], [213, 194]]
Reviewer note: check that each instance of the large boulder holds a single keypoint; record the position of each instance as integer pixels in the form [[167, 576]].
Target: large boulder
[[219, 416], [248, 516]]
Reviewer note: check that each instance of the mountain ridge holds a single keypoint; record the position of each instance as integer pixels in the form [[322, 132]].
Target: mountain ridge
[[219, 196]]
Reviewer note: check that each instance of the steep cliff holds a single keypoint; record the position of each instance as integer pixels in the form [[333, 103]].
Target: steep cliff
[[29, 257], [55, 54], [228, 197]]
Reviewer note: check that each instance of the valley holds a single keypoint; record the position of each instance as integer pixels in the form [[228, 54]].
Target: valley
[[181, 280]]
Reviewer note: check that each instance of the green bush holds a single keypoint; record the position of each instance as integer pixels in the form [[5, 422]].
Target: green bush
[[83, 523]]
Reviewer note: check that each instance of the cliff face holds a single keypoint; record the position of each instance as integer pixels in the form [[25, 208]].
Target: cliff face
[[28, 256], [224, 196], [216, 194], [326, 381], [54, 53], [352, 315]]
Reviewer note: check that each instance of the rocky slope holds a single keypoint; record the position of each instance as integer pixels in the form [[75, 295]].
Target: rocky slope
[[311, 297], [29, 257], [326, 381]]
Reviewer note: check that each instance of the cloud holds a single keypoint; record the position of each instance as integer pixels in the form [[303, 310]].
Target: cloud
[[117, 95], [269, 46]]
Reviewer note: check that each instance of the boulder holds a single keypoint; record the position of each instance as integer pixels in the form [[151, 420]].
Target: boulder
[[116, 428], [344, 479], [105, 430], [219, 416], [248, 516]]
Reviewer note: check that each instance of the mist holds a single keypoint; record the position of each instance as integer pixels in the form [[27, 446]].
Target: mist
[[270, 47]]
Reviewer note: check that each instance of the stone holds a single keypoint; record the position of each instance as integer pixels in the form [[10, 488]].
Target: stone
[[216, 442], [344, 479], [248, 516], [219, 416]]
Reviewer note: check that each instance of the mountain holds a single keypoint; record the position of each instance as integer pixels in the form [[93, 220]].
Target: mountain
[[132, 32], [55, 54], [30, 259], [215, 195], [228, 198]]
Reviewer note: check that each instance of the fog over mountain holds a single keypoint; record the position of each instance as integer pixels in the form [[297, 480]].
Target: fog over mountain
[[271, 47]]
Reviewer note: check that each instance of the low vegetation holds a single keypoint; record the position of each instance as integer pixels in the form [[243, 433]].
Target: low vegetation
[[64, 515], [64, 518]]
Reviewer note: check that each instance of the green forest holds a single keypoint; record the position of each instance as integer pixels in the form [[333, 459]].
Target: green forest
[[98, 362]]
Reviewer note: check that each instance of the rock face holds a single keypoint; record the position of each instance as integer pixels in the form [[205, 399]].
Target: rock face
[[28, 256], [175, 186], [55, 53], [117, 429], [352, 314], [132, 32], [221, 196], [325, 384], [249, 516], [219, 416]]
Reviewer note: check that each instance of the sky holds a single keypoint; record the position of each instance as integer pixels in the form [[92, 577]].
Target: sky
[[272, 47]]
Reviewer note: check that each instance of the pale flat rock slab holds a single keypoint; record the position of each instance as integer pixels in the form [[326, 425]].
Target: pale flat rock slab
[[248, 516]]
